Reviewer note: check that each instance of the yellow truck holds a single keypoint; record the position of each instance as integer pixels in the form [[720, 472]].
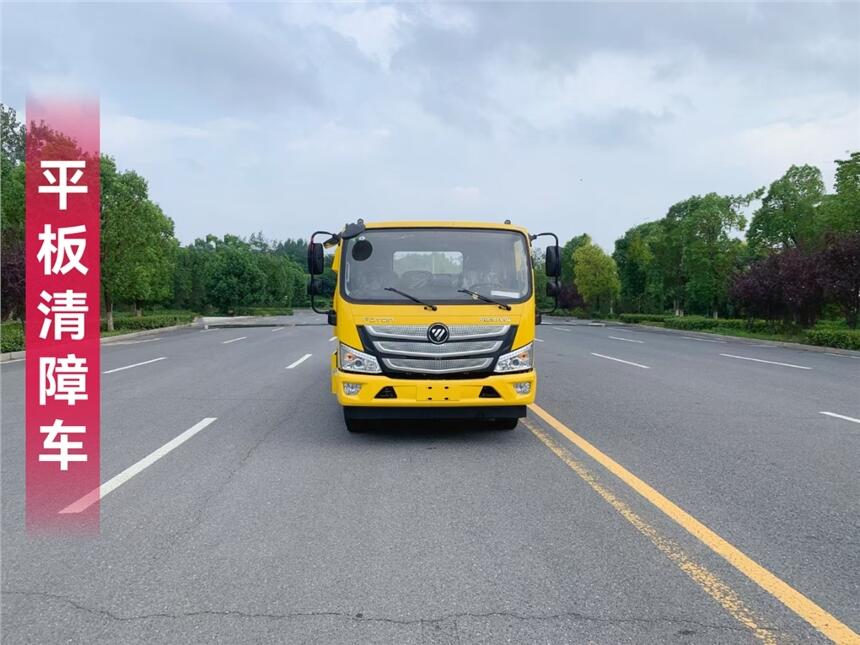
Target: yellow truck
[[433, 319]]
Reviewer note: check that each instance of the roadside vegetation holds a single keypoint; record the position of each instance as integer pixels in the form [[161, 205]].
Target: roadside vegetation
[[148, 278], [794, 276]]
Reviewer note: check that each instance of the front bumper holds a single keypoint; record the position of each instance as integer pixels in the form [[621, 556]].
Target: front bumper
[[434, 393]]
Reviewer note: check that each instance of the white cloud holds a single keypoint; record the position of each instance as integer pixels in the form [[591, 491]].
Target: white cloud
[[772, 148], [376, 30]]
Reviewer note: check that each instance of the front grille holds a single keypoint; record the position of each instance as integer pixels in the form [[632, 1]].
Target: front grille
[[438, 365], [405, 350], [419, 332], [425, 349]]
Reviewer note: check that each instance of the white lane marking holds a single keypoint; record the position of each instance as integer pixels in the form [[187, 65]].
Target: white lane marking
[[115, 482], [560, 329], [233, 340], [704, 340], [332, 338], [540, 340], [840, 416], [277, 329], [299, 362], [626, 340], [14, 360], [644, 367], [128, 367], [759, 360]]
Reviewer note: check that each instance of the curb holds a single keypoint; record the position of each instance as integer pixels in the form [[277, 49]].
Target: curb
[[755, 341], [106, 340]]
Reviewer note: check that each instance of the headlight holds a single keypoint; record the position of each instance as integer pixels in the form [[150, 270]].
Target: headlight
[[352, 360], [516, 361]]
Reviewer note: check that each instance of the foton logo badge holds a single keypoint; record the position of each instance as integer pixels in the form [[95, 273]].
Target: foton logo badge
[[437, 333]]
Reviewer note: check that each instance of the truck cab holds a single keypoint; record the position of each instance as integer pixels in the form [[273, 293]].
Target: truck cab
[[433, 320]]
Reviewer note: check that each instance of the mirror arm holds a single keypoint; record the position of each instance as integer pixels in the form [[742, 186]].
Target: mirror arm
[[332, 241], [533, 237]]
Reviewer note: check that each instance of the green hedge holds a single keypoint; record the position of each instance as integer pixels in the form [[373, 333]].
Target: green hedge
[[264, 311], [842, 338], [11, 337], [640, 318], [153, 321]]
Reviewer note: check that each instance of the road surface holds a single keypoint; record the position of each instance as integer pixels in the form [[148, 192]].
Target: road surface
[[273, 524]]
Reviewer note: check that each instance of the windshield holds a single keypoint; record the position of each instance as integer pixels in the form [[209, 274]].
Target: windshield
[[432, 264]]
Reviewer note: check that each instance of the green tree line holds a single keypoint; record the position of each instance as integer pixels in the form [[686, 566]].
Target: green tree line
[[799, 260], [142, 262]]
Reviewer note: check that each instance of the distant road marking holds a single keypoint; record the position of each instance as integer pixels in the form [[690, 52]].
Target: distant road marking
[[128, 367], [277, 329], [840, 416], [626, 340], [14, 360], [610, 358], [759, 360], [299, 361], [115, 482], [816, 616], [704, 340], [701, 575], [540, 340], [233, 340], [332, 338], [561, 328]]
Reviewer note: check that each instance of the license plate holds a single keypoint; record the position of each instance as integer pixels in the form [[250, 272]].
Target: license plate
[[437, 392]]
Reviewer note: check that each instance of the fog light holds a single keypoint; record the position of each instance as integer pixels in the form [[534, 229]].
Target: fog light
[[351, 388], [523, 388]]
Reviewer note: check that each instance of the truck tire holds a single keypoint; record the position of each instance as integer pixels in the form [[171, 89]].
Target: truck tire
[[355, 425], [503, 424]]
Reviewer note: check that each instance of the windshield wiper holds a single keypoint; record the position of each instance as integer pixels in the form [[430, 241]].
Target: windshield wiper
[[477, 295], [427, 305]]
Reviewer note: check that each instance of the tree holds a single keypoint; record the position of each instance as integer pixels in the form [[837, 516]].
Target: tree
[[12, 235], [137, 243], [596, 277], [635, 260], [567, 260], [709, 253], [13, 136], [800, 275], [758, 290], [840, 212], [668, 276], [840, 274], [235, 279], [787, 216]]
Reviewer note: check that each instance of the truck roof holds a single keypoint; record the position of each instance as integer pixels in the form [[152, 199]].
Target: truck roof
[[445, 224]]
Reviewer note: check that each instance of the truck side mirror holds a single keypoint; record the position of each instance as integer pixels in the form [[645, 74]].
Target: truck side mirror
[[316, 260], [552, 289], [315, 286], [553, 261]]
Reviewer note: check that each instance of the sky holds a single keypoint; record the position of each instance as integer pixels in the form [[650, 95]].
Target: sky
[[569, 117]]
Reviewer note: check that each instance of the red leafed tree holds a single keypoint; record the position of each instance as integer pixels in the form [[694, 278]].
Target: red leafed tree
[[840, 264]]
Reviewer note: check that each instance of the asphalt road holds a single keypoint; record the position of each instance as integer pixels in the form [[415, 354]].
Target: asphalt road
[[273, 524]]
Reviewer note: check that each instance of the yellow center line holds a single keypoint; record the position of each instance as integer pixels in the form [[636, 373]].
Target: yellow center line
[[706, 579], [816, 616]]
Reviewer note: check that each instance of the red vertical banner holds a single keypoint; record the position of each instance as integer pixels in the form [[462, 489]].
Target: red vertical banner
[[62, 316]]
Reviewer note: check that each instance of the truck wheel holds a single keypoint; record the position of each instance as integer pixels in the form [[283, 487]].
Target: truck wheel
[[355, 425], [503, 424]]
